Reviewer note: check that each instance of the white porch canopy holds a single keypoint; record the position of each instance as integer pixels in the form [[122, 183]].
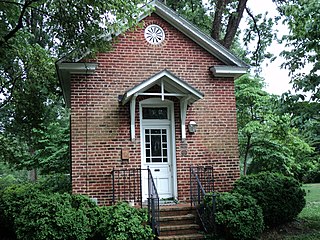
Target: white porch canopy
[[170, 86]]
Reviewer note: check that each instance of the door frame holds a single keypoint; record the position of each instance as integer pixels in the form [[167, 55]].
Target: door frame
[[158, 102]]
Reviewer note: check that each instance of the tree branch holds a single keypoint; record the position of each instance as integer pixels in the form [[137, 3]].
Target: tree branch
[[19, 24], [258, 32]]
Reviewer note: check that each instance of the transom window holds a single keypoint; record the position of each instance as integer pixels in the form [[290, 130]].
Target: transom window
[[155, 113], [156, 145]]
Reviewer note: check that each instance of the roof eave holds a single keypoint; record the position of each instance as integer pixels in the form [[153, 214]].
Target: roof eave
[[228, 71], [65, 70]]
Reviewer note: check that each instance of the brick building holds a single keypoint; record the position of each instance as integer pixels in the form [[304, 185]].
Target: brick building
[[162, 98]]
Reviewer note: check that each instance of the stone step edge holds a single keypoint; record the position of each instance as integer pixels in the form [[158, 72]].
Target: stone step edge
[[187, 236], [179, 227], [176, 208], [177, 218]]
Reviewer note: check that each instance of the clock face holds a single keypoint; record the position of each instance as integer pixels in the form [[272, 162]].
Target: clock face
[[154, 34]]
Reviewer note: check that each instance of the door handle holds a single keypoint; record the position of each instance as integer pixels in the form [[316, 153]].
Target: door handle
[[157, 170]]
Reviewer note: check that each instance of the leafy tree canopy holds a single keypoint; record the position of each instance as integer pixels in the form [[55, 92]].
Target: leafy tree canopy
[[221, 20], [267, 140], [303, 41], [33, 34]]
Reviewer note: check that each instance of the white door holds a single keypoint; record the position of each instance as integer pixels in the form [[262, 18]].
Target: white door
[[156, 146]]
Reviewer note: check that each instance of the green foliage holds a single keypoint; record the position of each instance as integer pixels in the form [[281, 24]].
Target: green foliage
[[194, 11], [122, 222], [53, 154], [12, 199], [59, 216], [9, 176], [303, 19], [66, 216], [56, 214], [238, 216], [267, 140], [305, 117], [33, 34], [54, 183], [281, 198]]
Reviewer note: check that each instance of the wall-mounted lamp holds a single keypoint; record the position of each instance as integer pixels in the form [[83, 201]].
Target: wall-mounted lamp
[[192, 126]]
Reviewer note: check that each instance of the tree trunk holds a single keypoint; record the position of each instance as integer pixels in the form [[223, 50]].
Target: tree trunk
[[245, 160], [33, 175], [217, 20], [233, 24]]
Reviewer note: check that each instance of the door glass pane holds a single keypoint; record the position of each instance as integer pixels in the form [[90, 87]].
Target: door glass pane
[[155, 131], [156, 145], [154, 113], [156, 160], [147, 152]]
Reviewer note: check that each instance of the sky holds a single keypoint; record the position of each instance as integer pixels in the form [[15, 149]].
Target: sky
[[277, 79]]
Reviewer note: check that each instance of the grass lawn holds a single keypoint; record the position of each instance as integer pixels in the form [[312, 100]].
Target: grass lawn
[[307, 226]]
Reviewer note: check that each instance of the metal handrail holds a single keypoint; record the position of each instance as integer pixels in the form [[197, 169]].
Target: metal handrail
[[201, 178], [153, 205]]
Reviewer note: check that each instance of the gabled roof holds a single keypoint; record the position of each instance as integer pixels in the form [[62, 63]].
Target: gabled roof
[[170, 85], [194, 33], [234, 66]]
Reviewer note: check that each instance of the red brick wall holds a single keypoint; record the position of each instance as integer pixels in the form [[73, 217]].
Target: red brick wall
[[101, 125]]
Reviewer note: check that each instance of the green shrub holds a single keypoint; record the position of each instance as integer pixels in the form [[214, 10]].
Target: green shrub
[[12, 199], [28, 213], [56, 216], [55, 183], [238, 216], [122, 222], [281, 198]]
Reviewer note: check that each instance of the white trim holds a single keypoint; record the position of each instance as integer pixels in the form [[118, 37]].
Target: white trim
[[162, 95], [132, 118], [163, 76], [167, 103], [228, 71], [78, 68], [183, 115]]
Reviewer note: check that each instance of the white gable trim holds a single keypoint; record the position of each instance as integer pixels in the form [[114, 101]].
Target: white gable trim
[[183, 90]]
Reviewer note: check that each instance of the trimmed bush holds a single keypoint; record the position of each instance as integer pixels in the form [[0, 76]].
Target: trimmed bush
[[56, 216], [281, 198], [12, 200], [122, 222], [238, 216], [28, 213]]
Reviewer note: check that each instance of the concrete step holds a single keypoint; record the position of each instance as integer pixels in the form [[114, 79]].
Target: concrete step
[[183, 237], [176, 210], [179, 229], [177, 220]]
